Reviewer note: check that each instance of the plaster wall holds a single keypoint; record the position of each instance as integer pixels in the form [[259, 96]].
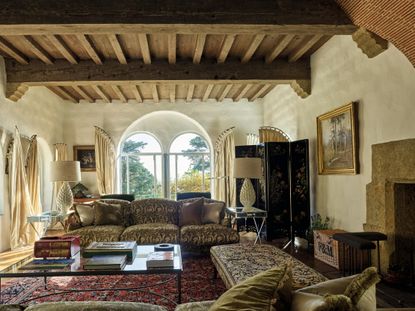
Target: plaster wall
[[385, 89], [208, 119], [39, 112]]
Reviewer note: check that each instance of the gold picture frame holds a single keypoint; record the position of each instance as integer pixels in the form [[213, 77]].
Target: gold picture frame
[[86, 156], [337, 141]]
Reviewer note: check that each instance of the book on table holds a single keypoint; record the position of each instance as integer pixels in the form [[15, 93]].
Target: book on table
[[128, 248], [106, 262], [47, 264], [160, 260]]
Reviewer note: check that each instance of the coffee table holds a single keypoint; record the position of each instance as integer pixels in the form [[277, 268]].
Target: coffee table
[[137, 266]]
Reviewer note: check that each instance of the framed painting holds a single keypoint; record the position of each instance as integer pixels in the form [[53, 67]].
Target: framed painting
[[86, 156], [337, 141]]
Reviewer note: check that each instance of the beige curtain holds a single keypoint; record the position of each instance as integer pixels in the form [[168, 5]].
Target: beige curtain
[[20, 201], [33, 181], [225, 187], [252, 139], [271, 134], [60, 154], [105, 161]]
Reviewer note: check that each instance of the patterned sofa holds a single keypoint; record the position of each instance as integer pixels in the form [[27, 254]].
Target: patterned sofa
[[153, 221]]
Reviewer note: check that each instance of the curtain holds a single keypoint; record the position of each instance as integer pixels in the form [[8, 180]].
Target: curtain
[[105, 161], [60, 154], [33, 181], [225, 186], [252, 139], [20, 201], [271, 134]]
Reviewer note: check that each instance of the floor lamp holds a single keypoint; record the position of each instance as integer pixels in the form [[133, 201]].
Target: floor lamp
[[247, 168], [65, 171]]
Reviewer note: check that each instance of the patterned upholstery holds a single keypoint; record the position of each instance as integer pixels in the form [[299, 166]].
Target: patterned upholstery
[[207, 235], [195, 306], [154, 211], [237, 262], [106, 233], [152, 233], [94, 306]]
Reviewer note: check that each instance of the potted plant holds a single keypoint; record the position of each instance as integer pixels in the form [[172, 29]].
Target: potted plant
[[317, 223]]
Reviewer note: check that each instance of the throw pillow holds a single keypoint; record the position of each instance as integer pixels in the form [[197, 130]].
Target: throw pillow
[[259, 292], [191, 213], [108, 214], [361, 283], [212, 213], [336, 303], [85, 213]]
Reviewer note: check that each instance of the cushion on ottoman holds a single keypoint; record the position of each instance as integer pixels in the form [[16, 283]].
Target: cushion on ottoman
[[207, 235], [94, 306], [153, 233], [195, 306]]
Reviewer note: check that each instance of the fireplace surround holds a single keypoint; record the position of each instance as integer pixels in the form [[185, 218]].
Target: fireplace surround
[[390, 201]]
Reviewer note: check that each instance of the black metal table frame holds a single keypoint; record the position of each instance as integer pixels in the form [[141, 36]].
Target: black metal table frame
[[46, 274]]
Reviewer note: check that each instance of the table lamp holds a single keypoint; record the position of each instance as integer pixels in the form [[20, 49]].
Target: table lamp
[[247, 168], [65, 171]]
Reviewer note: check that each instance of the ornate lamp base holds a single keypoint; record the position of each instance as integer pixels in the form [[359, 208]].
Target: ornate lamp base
[[64, 200], [247, 195]]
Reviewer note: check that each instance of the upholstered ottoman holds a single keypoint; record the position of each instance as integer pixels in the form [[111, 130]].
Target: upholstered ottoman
[[237, 262]]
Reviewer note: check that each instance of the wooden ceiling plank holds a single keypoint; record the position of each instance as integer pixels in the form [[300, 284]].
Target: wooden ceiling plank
[[155, 93], [225, 92], [225, 48], [279, 48], [116, 46], [243, 91], [119, 93], [172, 93], [252, 48], [303, 48], [136, 92], [145, 50], [38, 50], [172, 45], [60, 91], [135, 72], [259, 92], [89, 48], [200, 44], [207, 92], [174, 16], [63, 48], [190, 91], [101, 93], [10, 50], [83, 93]]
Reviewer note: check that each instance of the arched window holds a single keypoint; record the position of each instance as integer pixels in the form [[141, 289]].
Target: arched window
[[141, 166], [189, 164]]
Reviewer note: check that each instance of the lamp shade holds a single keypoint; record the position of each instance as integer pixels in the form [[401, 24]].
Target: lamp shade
[[65, 171], [247, 168]]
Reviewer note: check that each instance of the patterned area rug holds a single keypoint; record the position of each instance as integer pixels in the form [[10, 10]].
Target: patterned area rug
[[197, 285]]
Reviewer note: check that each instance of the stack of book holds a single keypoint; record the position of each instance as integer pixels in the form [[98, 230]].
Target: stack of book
[[57, 246], [160, 260], [128, 248], [108, 262], [47, 264]]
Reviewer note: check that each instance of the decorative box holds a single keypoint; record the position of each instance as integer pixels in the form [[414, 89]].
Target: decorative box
[[326, 249]]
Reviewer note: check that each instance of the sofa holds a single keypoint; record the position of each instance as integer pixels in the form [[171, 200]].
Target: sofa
[[154, 221]]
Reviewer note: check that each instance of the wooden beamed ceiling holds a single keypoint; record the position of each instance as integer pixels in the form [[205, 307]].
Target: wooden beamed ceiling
[[232, 50]]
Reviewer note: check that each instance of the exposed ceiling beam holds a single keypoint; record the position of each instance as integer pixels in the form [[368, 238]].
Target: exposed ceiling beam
[[260, 92], [209, 89], [172, 93], [82, 93], [115, 43], [256, 41], [243, 91], [61, 92], [155, 93], [89, 48], [173, 16], [200, 44], [135, 72], [63, 48], [119, 93], [145, 51], [37, 50], [303, 48], [136, 92], [281, 45], [10, 50], [172, 48], [101, 93], [225, 48], [190, 91], [225, 92]]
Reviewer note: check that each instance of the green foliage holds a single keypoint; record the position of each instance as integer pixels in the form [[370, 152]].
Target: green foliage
[[317, 223], [191, 182], [198, 145]]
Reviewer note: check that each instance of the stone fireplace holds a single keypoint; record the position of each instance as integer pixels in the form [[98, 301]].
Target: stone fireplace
[[390, 201]]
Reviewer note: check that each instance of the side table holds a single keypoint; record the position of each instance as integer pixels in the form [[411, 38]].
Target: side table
[[48, 219], [238, 213]]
